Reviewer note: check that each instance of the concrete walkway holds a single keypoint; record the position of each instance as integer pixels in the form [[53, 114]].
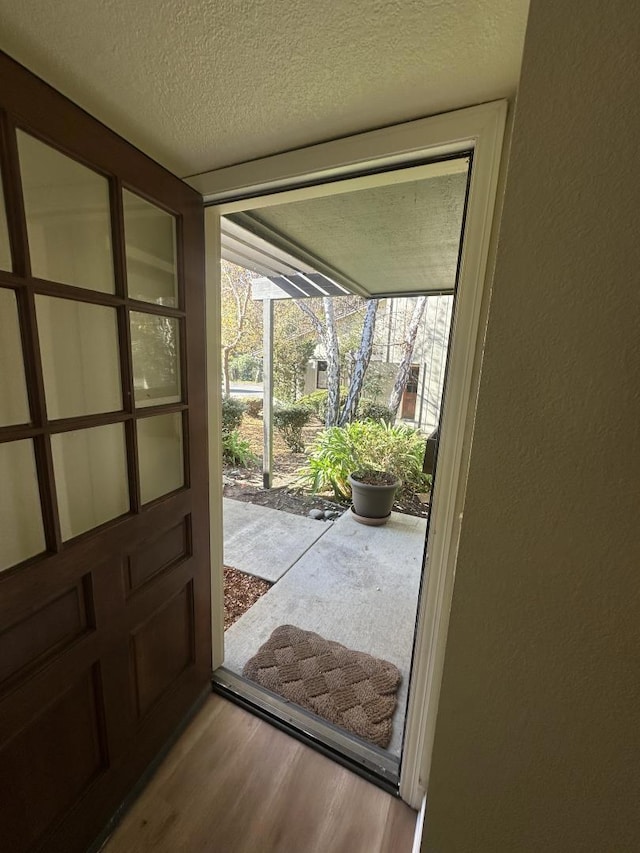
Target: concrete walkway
[[266, 542], [358, 585]]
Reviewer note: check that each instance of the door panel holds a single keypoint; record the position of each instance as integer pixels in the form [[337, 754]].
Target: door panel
[[33, 757], [105, 612]]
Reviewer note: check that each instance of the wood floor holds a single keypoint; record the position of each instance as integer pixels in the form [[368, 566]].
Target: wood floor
[[235, 784]]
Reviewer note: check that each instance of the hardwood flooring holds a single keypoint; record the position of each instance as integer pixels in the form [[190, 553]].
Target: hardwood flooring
[[234, 784]]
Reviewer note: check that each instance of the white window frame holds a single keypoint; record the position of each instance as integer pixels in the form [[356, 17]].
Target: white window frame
[[480, 129]]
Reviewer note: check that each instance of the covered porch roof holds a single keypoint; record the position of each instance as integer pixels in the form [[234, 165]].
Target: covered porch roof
[[282, 276], [381, 235]]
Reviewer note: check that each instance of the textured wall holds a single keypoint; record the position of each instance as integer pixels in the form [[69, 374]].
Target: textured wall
[[538, 735]]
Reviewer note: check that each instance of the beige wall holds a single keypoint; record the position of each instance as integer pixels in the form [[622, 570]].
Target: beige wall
[[538, 735]]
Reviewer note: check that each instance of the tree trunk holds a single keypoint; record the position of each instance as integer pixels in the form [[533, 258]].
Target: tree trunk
[[328, 335], [363, 357], [408, 345], [225, 371], [332, 348]]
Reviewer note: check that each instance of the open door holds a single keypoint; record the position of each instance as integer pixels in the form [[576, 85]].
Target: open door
[[105, 614]]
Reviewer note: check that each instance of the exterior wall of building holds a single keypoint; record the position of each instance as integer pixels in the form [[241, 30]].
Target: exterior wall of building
[[430, 354]]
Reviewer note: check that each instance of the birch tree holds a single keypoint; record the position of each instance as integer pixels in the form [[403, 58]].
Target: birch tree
[[362, 359], [332, 348], [327, 333], [408, 346]]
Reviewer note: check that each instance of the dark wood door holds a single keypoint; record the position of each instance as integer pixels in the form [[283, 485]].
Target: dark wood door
[[105, 633]]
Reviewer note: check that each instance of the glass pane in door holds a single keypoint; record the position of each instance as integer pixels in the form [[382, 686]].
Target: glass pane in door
[[90, 467], [20, 515], [160, 455], [80, 357], [150, 236], [14, 405], [5, 248], [68, 217], [155, 345]]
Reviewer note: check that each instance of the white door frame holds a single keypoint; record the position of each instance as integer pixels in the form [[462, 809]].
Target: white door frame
[[480, 129]]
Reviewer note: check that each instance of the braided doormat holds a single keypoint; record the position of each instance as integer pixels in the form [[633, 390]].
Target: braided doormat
[[352, 689]]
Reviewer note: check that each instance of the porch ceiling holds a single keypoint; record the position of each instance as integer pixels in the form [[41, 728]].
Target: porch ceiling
[[401, 238]]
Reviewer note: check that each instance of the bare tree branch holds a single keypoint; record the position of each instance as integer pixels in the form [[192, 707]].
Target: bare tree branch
[[315, 320]]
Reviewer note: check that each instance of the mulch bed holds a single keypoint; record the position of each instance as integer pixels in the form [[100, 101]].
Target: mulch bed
[[284, 498], [241, 592], [411, 505], [285, 462], [289, 499]]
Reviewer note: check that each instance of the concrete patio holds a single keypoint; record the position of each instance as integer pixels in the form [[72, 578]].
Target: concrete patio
[[266, 542], [355, 584]]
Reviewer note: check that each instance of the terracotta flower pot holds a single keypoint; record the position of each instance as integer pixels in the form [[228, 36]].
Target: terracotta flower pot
[[373, 494]]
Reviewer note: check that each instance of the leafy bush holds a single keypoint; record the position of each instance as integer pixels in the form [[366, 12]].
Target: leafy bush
[[252, 406], [317, 401], [369, 410], [290, 420], [331, 460], [290, 358], [338, 451], [236, 450], [232, 411]]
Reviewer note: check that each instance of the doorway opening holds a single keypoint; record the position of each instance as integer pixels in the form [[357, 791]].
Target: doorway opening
[[394, 248], [328, 574], [410, 393], [334, 632]]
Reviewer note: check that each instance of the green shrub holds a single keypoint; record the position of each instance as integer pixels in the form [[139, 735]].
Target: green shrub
[[252, 406], [316, 401], [232, 411], [338, 451], [290, 420], [369, 410], [291, 355], [331, 460], [236, 450]]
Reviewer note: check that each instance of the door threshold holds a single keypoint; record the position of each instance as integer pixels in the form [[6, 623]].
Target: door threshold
[[371, 762]]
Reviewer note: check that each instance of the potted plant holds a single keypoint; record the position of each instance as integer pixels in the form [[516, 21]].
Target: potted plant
[[372, 492]]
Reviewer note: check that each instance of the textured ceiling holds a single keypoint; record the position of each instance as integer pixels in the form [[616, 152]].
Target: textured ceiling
[[200, 84], [400, 238]]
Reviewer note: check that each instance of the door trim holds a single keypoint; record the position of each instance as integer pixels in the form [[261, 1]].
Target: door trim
[[213, 286], [480, 129]]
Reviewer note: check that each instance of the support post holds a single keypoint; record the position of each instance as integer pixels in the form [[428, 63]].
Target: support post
[[267, 385]]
